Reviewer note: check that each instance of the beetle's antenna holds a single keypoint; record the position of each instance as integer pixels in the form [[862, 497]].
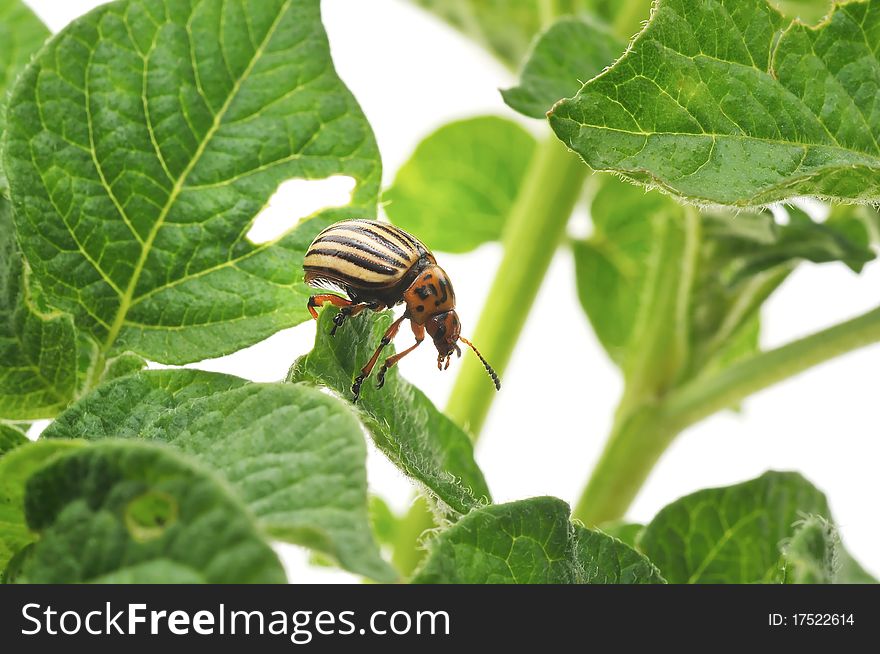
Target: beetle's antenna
[[486, 365]]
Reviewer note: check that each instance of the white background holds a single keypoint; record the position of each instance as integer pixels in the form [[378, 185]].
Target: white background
[[412, 74]]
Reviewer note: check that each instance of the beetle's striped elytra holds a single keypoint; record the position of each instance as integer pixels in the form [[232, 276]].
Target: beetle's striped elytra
[[378, 265]]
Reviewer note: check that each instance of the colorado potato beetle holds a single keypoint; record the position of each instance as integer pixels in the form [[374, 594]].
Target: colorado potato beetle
[[378, 265]]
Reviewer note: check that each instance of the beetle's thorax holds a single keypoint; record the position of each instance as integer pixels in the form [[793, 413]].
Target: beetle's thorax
[[430, 294]]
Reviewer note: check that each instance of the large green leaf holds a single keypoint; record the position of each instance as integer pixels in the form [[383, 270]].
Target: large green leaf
[[728, 102], [459, 185], [419, 439], [141, 144], [15, 469], [10, 438], [504, 27], [38, 346], [530, 542], [295, 455], [570, 52], [139, 513], [742, 533]]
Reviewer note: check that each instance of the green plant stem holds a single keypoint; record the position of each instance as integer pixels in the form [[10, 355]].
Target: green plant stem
[[700, 398], [640, 436], [417, 520], [534, 228]]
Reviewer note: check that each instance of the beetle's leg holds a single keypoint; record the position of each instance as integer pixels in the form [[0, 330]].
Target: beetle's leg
[[390, 362], [352, 310], [320, 300], [390, 333]]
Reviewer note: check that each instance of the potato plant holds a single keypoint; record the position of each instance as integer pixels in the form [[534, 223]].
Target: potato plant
[[140, 143]]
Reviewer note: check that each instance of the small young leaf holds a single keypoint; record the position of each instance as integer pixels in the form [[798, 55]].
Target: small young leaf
[[137, 513], [419, 439], [10, 438], [530, 542], [504, 27], [728, 102], [459, 185], [613, 264], [141, 144], [740, 261], [15, 469], [739, 534], [570, 52], [383, 520], [296, 456], [809, 556]]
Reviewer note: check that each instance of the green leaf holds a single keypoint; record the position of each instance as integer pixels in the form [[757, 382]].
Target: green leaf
[[39, 347], [459, 185], [122, 365], [570, 52], [746, 533], [609, 560], [740, 260], [622, 530], [15, 469], [419, 439], [296, 456], [613, 264], [810, 554], [10, 438], [142, 142], [745, 258], [384, 522], [504, 27], [530, 542], [727, 102], [21, 34], [136, 513], [850, 572]]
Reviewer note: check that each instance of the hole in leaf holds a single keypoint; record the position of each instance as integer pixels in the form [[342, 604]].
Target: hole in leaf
[[296, 199], [150, 514]]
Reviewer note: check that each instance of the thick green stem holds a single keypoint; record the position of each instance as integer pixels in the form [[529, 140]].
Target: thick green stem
[[641, 436], [534, 228], [637, 441]]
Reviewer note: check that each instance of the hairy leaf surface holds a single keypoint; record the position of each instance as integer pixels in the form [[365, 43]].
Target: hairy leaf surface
[[296, 456], [405, 425], [741, 533], [728, 102], [530, 542], [136, 513]]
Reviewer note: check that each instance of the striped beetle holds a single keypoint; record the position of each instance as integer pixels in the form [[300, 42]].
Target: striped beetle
[[378, 265]]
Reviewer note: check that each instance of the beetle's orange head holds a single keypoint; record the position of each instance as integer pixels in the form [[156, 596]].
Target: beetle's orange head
[[445, 329]]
